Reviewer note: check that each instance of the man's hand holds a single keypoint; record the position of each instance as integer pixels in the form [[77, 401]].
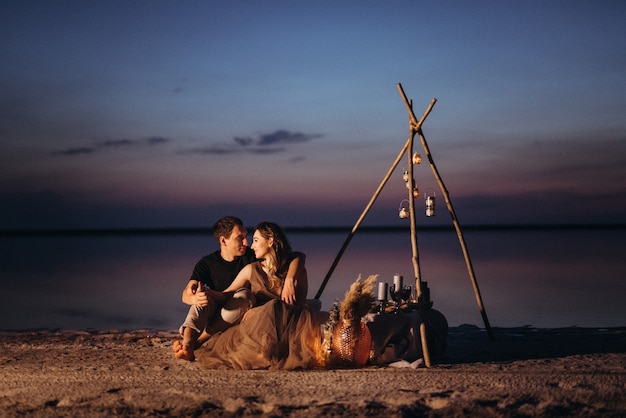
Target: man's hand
[[288, 294], [200, 297]]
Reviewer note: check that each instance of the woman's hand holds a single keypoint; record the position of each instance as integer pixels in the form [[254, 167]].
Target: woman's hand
[[288, 294]]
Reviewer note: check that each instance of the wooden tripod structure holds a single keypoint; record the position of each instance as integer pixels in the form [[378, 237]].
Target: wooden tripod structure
[[415, 128]]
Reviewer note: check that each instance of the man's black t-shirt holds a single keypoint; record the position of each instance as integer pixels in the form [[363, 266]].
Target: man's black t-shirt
[[217, 273]]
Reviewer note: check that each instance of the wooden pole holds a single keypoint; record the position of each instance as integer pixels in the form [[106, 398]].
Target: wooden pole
[[446, 196], [415, 253], [417, 124], [411, 186], [459, 233]]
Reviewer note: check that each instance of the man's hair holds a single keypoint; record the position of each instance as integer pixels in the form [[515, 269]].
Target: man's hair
[[224, 227]]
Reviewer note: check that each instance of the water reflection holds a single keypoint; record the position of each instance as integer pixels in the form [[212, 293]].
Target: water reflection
[[538, 277]]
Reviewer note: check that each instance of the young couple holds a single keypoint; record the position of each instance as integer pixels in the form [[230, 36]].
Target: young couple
[[263, 287]]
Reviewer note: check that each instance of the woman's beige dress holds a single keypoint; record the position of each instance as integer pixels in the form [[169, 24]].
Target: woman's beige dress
[[274, 335]]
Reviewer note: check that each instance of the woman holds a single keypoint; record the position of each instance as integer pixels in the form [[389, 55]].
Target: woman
[[280, 332], [267, 278]]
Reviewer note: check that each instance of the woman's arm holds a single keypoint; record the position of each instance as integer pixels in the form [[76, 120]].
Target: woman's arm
[[295, 281], [242, 279]]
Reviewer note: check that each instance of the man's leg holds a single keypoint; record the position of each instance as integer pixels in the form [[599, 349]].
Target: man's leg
[[193, 330], [231, 313]]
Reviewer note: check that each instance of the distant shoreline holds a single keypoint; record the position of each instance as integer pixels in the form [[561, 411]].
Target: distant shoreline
[[300, 229]]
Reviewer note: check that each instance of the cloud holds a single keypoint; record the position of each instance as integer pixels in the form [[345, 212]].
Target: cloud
[[217, 150], [263, 144], [117, 143], [268, 150], [270, 143], [112, 143], [181, 87], [75, 151], [283, 136], [226, 150], [243, 141], [155, 140]]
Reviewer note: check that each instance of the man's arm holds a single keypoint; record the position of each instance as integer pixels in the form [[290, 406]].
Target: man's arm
[[197, 294], [193, 294], [302, 287]]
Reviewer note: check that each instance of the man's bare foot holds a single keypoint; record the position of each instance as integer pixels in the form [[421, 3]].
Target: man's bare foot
[[183, 351]]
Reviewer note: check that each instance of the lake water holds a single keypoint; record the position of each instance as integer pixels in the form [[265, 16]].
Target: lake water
[[536, 277]]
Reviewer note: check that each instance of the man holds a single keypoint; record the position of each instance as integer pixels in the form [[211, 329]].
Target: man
[[215, 271]]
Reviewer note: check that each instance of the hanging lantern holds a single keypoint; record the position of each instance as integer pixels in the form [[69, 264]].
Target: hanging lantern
[[403, 211], [430, 203]]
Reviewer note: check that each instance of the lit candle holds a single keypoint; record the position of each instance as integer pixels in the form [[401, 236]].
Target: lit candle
[[397, 282], [382, 291]]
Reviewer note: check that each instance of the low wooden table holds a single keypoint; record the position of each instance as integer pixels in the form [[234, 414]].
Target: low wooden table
[[395, 336]]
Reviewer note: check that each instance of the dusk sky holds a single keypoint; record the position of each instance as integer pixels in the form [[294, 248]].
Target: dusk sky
[[174, 113]]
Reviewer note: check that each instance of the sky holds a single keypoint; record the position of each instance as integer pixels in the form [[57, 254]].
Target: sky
[[124, 114]]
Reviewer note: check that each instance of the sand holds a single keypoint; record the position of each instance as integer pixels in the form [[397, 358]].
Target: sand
[[523, 372]]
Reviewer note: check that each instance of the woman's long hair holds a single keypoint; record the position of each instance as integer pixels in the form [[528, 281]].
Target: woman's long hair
[[278, 258]]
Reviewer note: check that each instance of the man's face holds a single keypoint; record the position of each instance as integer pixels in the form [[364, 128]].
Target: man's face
[[235, 245]]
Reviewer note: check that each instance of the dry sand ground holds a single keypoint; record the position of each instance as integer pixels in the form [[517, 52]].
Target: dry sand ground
[[523, 372]]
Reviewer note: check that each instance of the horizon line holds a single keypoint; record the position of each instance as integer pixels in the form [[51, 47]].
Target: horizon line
[[299, 229]]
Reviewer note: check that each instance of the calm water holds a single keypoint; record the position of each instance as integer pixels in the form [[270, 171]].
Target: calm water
[[542, 278]]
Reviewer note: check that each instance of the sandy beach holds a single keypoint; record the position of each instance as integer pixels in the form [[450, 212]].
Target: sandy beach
[[523, 372]]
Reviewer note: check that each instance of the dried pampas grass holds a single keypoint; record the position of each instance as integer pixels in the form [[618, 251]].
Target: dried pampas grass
[[359, 299]]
